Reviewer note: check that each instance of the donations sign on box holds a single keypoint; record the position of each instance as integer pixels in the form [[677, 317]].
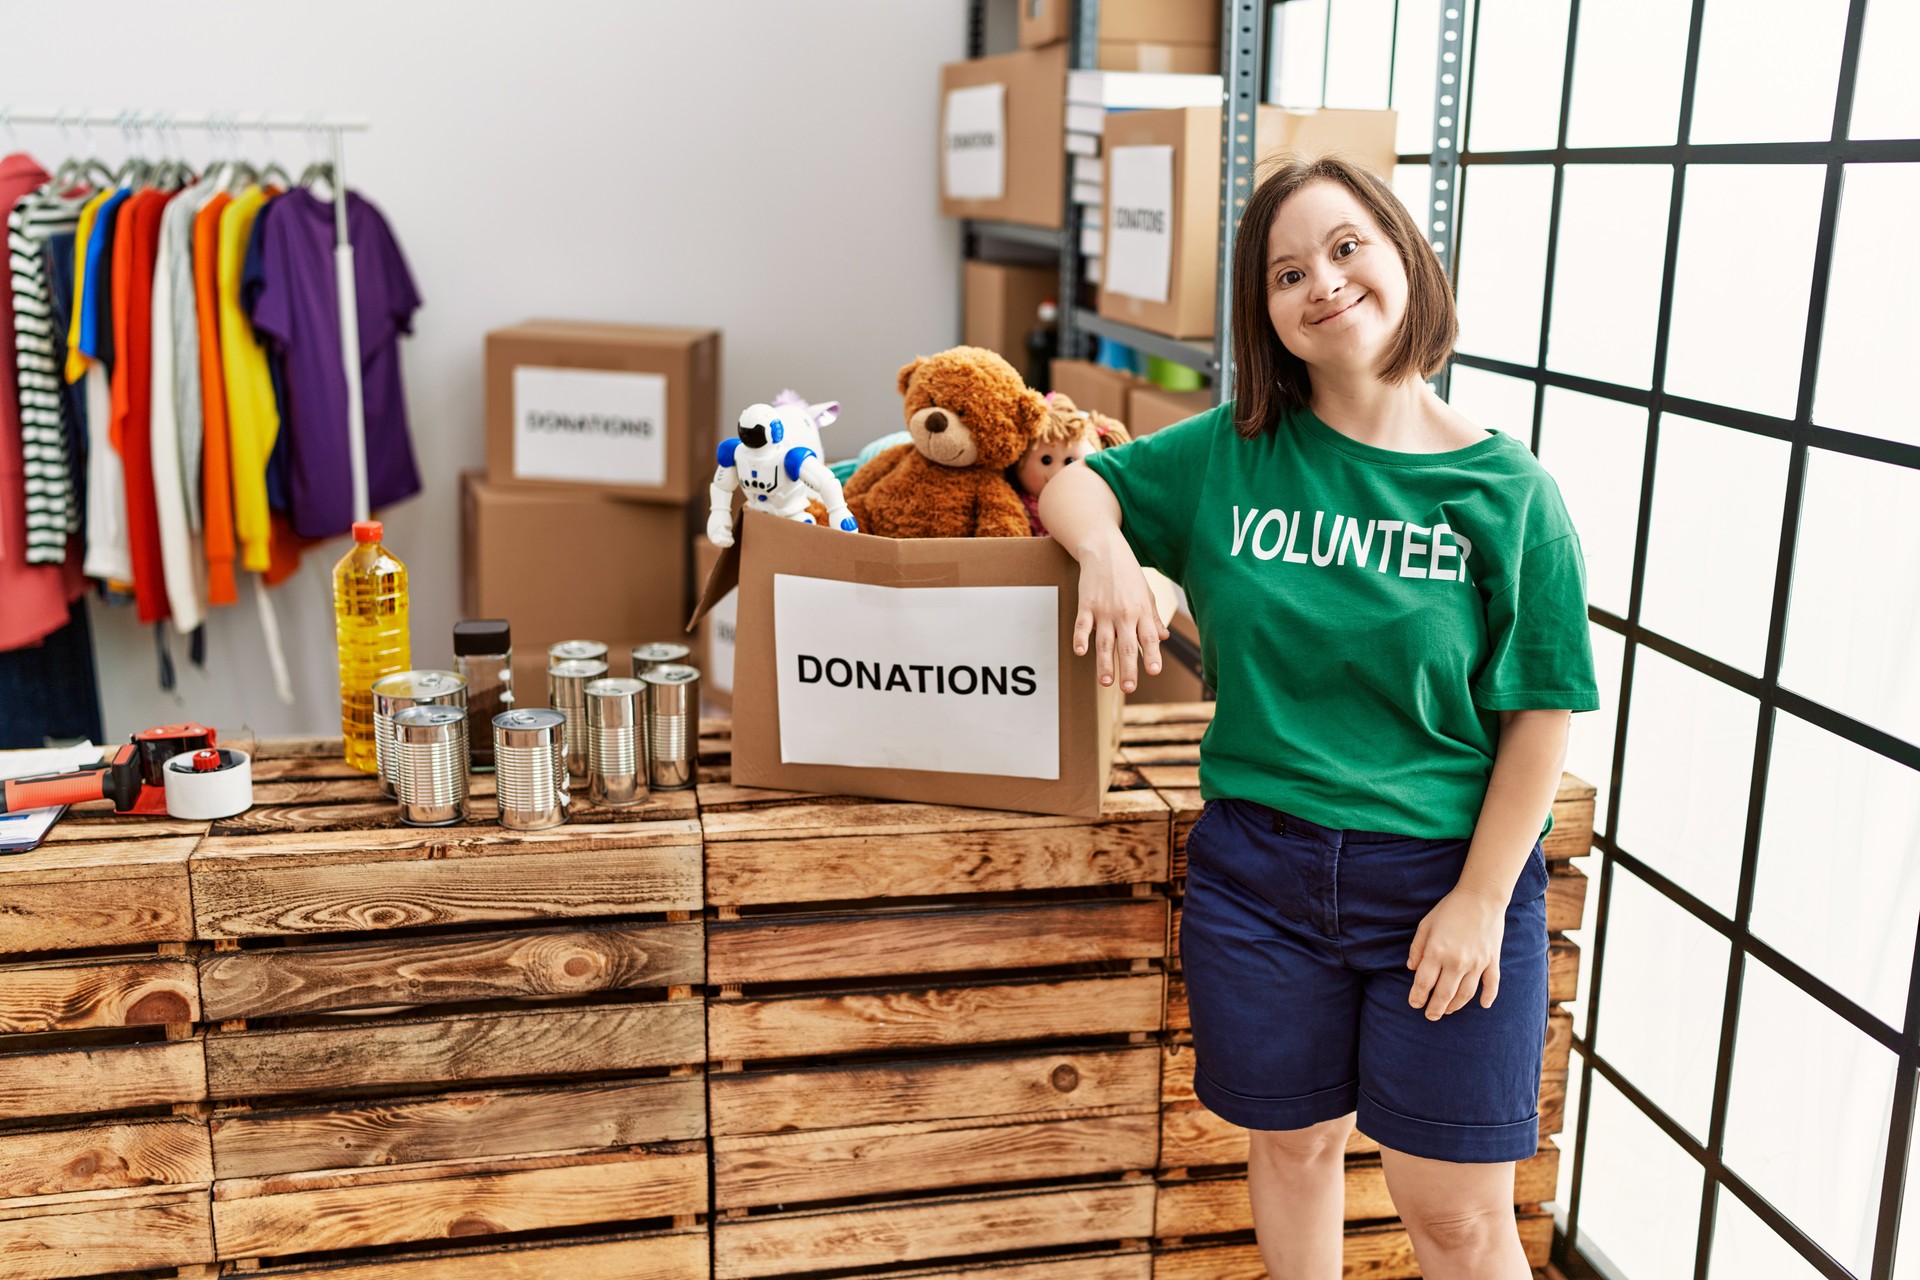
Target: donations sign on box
[[933, 670], [595, 425]]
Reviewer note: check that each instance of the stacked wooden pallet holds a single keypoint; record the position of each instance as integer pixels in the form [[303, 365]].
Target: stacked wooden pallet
[[418, 1034], [104, 1151], [1203, 1221], [932, 1034]]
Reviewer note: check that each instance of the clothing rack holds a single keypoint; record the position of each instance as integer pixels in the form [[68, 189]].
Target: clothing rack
[[233, 124]]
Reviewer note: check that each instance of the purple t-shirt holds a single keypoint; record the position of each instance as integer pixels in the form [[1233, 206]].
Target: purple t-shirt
[[295, 308]]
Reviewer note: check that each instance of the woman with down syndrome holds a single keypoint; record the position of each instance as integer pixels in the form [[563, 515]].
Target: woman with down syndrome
[[1392, 605]]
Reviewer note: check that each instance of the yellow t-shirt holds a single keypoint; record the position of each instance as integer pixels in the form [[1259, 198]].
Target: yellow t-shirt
[[253, 420], [76, 362]]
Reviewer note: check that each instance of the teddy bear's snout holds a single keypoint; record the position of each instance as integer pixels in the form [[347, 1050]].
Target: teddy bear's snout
[[936, 421]]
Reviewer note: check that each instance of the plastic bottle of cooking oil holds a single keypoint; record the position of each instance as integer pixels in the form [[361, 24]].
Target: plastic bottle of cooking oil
[[370, 621]]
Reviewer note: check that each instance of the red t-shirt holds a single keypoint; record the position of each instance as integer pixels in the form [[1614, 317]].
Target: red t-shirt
[[133, 396]]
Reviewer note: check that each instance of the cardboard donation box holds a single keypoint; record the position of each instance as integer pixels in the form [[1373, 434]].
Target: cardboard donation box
[[1003, 137], [626, 409], [1192, 22], [563, 565], [713, 643], [1003, 306], [1150, 408], [1096, 387], [932, 670], [1162, 202]]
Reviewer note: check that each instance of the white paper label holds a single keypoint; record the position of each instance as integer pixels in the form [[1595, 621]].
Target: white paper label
[[719, 625], [973, 140], [596, 425], [945, 679], [1139, 242]]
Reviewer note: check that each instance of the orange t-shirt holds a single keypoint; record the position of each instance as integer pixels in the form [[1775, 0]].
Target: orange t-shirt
[[216, 496]]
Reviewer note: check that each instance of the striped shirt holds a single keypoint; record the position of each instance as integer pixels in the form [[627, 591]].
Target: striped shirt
[[52, 510]]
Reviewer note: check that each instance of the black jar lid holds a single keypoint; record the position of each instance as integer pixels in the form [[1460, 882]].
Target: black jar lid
[[481, 636]]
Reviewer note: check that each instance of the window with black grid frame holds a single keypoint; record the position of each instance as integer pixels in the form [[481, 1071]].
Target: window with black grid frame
[[1688, 278]]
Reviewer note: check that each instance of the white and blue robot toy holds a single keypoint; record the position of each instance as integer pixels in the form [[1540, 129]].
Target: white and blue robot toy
[[776, 461]]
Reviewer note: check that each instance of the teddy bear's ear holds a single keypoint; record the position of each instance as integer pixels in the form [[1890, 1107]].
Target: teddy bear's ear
[[907, 371]]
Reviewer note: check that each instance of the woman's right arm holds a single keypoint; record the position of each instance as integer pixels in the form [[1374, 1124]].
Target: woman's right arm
[[1117, 611]]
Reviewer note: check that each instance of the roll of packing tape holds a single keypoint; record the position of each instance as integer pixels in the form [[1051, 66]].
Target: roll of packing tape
[[214, 783]]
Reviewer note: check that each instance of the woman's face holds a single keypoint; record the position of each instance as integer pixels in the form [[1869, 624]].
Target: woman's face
[[1336, 290]]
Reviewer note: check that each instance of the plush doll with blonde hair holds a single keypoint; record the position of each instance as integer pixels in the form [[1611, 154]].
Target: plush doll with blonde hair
[[1067, 435]]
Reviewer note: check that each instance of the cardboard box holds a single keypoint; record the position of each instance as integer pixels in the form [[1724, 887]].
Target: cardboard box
[[1003, 137], [1162, 241], [1002, 305], [1150, 408], [1095, 386], [1045, 22], [852, 652], [1181, 59], [1175, 683], [623, 409], [568, 564], [713, 646]]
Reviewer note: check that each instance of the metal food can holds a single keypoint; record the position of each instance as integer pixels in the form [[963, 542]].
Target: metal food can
[[567, 683], [616, 751], [576, 651], [530, 767], [393, 694], [430, 764], [661, 652], [673, 724]]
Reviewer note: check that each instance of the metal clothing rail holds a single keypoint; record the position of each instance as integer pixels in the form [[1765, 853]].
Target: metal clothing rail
[[235, 123]]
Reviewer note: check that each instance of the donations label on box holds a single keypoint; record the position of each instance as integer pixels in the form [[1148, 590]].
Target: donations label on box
[[908, 678], [1139, 242], [595, 426], [974, 142]]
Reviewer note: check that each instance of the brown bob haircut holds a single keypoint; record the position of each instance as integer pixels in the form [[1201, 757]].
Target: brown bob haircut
[[1270, 380]]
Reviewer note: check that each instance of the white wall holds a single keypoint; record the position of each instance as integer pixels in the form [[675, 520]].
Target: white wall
[[763, 168]]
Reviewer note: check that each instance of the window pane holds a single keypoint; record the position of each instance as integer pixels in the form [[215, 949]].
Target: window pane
[[1714, 543], [1738, 332], [1807, 1114], [1590, 742], [1359, 49], [1640, 1198], [1689, 767], [1853, 625], [1745, 1247], [1768, 70], [1886, 97], [1413, 74], [1503, 260], [1666, 985], [1872, 327], [1606, 275], [1299, 52], [1563, 1185], [1522, 52], [1494, 401], [1649, 36], [1413, 183], [1596, 450], [1839, 879]]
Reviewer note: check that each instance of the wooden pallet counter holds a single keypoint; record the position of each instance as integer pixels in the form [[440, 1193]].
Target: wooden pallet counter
[[932, 1033]]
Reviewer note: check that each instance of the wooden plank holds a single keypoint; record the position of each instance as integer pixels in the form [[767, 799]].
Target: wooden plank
[[1009, 1085], [96, 1231], [100, 1157], [799, 815], [421, 971], [1215, 1206], [1559, 1046], [301, 1213], [1134, 1263], [922, 1230], [1566, 897], [452, 844], [88, 824], [110, 1078], [112, 912], [1373, 1252], [663, 1255], [983, 1013], [93, 859], [76, 995], [458, 1126], [483, 1046], [887, 1159], [903, 864], [256, 896], [886, 941]]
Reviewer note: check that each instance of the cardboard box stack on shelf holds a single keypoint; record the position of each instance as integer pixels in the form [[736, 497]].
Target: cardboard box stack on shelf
[[1001, 306], [1178, 36], [1000, 150], [600, 444]]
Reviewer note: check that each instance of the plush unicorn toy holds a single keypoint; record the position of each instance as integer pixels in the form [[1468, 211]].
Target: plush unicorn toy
[[776, 460]]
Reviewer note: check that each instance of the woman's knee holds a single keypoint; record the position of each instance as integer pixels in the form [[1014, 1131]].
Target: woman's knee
[[1464, 1232], [1316, 1144]]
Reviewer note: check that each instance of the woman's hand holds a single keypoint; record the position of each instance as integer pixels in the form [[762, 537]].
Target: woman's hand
[[1455, 949], [1117, 615]]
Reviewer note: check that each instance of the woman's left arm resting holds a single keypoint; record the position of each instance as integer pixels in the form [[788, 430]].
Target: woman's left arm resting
[[1457, 947]]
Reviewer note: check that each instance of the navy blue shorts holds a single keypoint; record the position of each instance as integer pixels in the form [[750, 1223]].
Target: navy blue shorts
[[1295, 939]]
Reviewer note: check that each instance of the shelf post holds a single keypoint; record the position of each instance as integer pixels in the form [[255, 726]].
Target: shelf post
[[1083, 47], [1242, 34], [1444, 175]]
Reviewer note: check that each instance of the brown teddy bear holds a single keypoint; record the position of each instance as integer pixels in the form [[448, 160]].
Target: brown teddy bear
[[971, 417]]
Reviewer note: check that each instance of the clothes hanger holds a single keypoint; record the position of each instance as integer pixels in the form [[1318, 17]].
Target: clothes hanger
[[273, 168]]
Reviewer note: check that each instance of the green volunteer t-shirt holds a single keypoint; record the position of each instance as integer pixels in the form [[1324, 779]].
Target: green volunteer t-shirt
[[1364, 614]]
